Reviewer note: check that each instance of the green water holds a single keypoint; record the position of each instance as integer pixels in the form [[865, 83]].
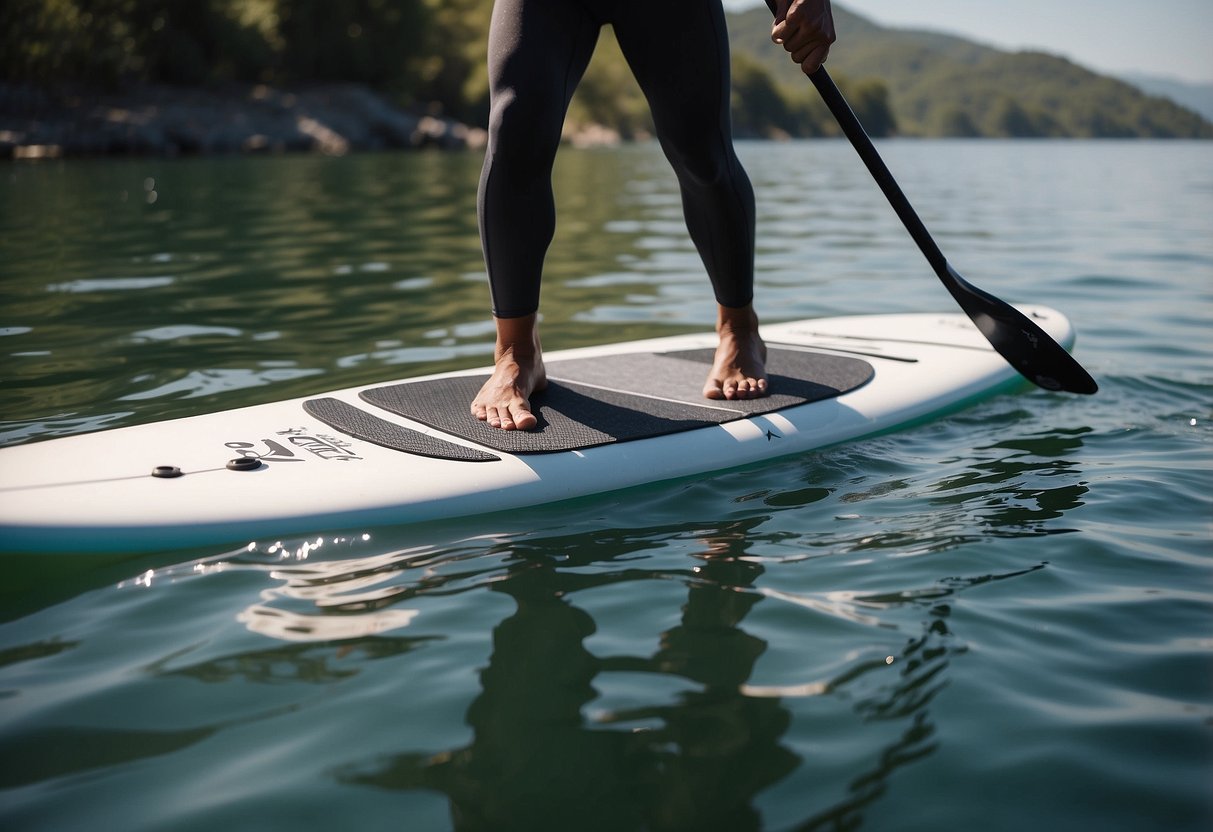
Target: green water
[[999, 620]]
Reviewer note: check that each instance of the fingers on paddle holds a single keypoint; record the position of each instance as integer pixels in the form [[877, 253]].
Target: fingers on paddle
[[806, 35], [814, 58]]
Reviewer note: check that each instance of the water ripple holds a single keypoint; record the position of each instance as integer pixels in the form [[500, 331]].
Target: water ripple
[[1012, 595]]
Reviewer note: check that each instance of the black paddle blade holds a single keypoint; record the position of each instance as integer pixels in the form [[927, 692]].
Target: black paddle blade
[[1025, 346], [1019, 340]]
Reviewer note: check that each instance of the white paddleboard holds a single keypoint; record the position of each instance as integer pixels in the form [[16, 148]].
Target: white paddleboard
[[614, 417]]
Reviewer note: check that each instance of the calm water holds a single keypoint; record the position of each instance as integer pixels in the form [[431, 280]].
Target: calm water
[[1001, 620]]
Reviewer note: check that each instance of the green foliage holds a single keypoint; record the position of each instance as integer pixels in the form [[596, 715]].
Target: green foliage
[[869, 98], [953, 122], [111, 41], [609, 95], [202, 41], [765, 107], [450, 70], [939, 85], [48, 40], [365, 41], [433, 53], [760, 107]]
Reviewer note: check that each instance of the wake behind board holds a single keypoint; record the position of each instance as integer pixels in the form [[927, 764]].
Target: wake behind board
[[613, 417]]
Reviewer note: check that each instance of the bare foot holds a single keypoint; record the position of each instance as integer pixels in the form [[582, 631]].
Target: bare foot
[[739, 371], [504, 400]]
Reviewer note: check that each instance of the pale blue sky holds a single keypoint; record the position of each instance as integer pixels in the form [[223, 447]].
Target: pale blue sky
[[1161, 37]]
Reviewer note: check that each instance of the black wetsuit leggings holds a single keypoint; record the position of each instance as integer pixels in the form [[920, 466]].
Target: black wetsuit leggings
[[679, 53]]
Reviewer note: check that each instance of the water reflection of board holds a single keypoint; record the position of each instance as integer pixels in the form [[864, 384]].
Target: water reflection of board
[[613, 417]]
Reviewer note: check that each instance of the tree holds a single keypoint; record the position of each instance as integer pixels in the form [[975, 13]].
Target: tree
[[955, 123], [869, 98], [760, 109]]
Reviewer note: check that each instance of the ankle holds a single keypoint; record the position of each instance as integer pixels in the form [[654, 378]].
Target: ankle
[[741, 320], [517, 338], [524, 355]]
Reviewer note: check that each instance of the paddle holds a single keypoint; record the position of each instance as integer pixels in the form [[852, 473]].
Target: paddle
[[1025, 346]]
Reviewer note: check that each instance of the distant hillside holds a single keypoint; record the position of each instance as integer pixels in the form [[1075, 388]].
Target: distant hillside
[[941, 85], [1196, 97], [150, 76]]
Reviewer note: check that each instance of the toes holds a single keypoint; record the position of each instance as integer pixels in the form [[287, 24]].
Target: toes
[[509, 417], [746, 388], [505, 418], [752, 388]]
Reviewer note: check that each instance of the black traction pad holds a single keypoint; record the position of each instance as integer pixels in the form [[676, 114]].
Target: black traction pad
[[368, 427], [616, 398]]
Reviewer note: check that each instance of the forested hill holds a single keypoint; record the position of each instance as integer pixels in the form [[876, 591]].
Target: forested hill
[[429, 56], [940, 85]]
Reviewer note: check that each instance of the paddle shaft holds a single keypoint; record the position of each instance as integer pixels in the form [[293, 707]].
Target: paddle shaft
[[854, 131], [858, 137]]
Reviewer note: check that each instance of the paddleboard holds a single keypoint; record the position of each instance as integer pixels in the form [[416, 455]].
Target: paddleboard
[[408, 451]]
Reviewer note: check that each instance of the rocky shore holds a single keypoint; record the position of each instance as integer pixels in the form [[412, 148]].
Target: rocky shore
[[170, 121]]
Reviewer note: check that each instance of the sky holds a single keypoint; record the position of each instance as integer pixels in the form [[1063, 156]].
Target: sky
[[1168, 38]]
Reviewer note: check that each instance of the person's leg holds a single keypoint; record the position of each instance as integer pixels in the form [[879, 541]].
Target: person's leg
[[679, 53], [538, 51]]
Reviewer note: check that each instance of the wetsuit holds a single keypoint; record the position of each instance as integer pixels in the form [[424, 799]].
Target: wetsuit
[[679, 53]]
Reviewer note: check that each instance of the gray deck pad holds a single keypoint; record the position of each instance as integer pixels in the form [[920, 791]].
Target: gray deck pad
[[368, 427], [616, 398]]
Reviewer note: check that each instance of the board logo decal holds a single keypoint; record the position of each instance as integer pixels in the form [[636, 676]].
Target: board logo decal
[[772, 435], [322, 445]]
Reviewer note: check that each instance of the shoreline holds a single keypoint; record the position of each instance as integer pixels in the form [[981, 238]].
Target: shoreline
[[166, 121], [163, 121]]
